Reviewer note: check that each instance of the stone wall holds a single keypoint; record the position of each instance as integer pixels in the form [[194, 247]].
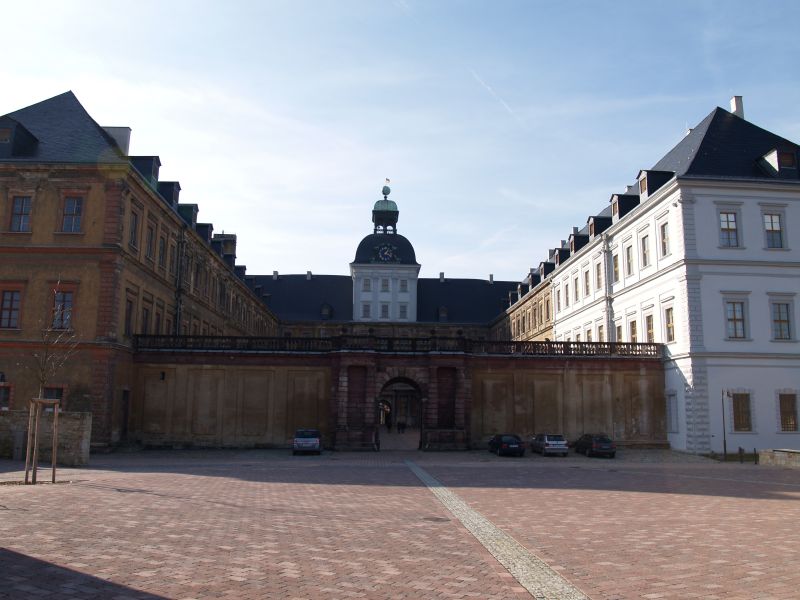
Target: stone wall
[[780, 458], [74, 436]]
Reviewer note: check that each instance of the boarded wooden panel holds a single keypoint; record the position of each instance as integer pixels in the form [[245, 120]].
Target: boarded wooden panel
[[306, 399], [256, 394], [207, 387], [156, 397], [548, 394]]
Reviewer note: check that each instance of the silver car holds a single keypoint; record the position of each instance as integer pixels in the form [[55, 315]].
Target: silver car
[[307, 440], [549, 443]]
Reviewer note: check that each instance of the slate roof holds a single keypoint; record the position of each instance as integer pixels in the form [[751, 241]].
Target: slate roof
[[468, 301], [722, 145], [297, 298], [65, 133]]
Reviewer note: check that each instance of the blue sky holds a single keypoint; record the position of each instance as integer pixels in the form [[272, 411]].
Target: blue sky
[[501, 124]]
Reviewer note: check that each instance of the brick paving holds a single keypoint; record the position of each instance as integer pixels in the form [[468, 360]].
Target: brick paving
[[264, 524]]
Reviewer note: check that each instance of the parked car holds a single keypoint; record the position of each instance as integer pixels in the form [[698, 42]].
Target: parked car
[[307, 440], [508, 444], [596, 444], [549, 443]]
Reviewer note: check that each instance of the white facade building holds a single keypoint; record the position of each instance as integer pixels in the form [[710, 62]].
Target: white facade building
[[703, 256]]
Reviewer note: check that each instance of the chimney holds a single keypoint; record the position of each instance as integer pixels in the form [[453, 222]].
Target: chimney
[[491, 277], [441, 276], [275, 276], [122, 136], [737, 106], [308, 275]]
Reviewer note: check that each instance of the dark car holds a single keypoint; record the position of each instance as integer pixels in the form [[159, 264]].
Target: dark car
[[507, 444], [596, 444], [307, 440], [549, 443]]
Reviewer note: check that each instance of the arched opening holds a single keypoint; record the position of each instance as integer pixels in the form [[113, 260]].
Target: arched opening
[[399, 407]]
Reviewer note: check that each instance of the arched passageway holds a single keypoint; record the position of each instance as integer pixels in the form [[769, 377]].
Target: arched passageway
[[399, 407]]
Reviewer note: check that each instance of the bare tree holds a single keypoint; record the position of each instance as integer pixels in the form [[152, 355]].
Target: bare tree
[[56, 345]]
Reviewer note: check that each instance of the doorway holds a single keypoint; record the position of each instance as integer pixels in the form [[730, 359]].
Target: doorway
[[399, 419]]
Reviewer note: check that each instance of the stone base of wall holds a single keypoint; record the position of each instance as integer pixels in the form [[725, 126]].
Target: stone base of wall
[[780, 458], [74, 436], [444, 439]]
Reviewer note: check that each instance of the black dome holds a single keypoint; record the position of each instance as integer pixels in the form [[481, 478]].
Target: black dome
[[385, 248]]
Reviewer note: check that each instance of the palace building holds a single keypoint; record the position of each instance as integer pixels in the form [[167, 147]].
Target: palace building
[[678, 291]]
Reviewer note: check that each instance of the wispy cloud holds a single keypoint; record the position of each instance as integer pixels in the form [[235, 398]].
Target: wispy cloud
[[496, 96]]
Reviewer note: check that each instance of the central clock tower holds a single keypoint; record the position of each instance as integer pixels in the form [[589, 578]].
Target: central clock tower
[[385, 270]]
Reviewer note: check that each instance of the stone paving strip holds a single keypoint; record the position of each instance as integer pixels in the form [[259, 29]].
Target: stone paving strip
[[528, 569]]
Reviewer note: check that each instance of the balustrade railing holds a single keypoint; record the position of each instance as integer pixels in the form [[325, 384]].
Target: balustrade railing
[[352, 343]]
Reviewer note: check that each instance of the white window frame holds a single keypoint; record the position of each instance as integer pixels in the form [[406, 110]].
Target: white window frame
[[665, 324], [663, 238], [366, 310], [736, 297], [780, 212], [644, 251], [366, 285], [778, 298], [734, 209]]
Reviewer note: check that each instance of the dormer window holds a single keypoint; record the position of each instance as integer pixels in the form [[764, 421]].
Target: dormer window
[[5, 135], [786, 160], [614, 208], [591, 228], [643, 186]]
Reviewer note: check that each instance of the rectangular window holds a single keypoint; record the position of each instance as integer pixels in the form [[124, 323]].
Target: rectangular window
[[669, 325], [162, 252], [558, 300], [547, 306], [128, 317], [600, 334], [62, 310], [404, 285], [577, 337], [788, 407], [615, 267], [577, 294], [384, 311], [367, 285], [9, 309], [5, 397], [145, 321], [133, 237], [773, 230], [672, 412], [384, 285], [149, 244], [157, 324], [566, 294], [366, 311], [781, 326], [53, 393], [643, 186], [628, 261], [741, 412], [588, 335], [664, 235], [73, 210], [734, 315], [645, 243], [619, 333], [648, 325], [728, 230], [173, 261], [598, 276], [403, 311], [21, 213], [632, 332]]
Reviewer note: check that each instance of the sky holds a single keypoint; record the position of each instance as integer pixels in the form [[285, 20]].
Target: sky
[[501, 124]]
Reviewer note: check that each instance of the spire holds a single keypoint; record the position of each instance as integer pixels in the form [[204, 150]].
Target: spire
[[385, 213]]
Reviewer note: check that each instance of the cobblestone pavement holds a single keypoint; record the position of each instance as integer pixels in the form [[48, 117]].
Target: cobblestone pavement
[[265, 524]]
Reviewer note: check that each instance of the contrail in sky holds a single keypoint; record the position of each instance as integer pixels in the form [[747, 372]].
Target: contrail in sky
[[494, 95]]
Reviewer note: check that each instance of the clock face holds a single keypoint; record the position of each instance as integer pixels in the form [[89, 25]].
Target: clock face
[[386, 253]]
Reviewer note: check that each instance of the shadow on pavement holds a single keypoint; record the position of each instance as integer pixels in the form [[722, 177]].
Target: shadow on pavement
[[22, 576]]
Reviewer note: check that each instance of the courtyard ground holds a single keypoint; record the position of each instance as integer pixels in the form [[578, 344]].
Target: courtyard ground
[[264, 524]]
